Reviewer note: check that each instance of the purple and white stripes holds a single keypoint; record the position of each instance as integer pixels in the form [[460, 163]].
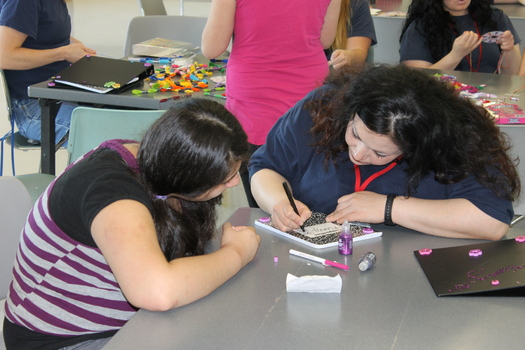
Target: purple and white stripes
[[60, 286]]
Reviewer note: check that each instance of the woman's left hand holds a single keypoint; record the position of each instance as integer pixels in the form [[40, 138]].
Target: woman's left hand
[[361, 206], [506, 41]]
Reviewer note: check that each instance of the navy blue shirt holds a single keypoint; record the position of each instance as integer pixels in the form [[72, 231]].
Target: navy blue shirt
[[288, 152], [361, 23], [47, 25], [414, 46]]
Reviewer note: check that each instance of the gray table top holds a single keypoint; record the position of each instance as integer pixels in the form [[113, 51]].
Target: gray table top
[[391, 306]]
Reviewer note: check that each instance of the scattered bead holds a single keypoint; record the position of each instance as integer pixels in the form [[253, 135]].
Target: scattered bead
[[275, 259], [520, 239], [475, 252], [368, 230], [495, 282], [425, 251], [265, 220]]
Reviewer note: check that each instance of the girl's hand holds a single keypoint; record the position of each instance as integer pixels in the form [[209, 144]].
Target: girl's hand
[[506, 41], [465, 44], [361, 206], [285, 218], [241, 239]]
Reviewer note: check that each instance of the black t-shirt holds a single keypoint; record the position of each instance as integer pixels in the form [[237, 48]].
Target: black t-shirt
[[88, 187]]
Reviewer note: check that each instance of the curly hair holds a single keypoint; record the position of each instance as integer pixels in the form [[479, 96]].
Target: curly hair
[[435, 129], [194, 147], [436, 25]]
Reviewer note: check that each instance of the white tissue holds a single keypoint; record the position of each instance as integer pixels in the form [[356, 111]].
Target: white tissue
[[313, 284]]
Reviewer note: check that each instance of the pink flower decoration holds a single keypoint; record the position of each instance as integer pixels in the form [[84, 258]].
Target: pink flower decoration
[[495, 282], [475, 252], [425, 251], [520, 239]]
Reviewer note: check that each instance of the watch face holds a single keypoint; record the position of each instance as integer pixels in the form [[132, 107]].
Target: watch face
[[491, 37]]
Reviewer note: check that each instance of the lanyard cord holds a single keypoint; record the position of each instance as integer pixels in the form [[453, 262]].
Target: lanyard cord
[[361, 187], [469, 56]]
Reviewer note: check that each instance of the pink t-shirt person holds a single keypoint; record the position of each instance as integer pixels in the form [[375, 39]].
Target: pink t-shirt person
[[276, 59]]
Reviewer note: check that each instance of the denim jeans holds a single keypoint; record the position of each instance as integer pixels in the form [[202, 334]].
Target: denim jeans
[[26, 114]]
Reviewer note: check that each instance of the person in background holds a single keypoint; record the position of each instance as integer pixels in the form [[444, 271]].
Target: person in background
[[277, 57], [371, 146], [355, 34], [36, 44], [126, 227], [448, 34]]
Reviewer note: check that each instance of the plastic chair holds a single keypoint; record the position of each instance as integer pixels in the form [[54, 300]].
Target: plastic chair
[[15, 204], [91, 126], [152, 7], [181, 28], [11, 137]]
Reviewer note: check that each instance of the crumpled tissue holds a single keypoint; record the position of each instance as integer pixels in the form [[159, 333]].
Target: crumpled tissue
[[313, 284]]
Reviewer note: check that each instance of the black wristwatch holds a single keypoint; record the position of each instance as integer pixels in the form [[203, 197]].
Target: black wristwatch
[[388, 209]]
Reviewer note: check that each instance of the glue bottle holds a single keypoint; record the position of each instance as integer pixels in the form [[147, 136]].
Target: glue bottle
[[367, 261], [346, 240]]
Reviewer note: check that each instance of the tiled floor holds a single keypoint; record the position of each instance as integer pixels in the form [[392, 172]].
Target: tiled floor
[[102, 25]]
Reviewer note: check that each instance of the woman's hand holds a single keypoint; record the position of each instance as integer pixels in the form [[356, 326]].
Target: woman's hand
[[285, 218], [361, 206], [506, 41], [242, 239], [76, 50], [465, 44]]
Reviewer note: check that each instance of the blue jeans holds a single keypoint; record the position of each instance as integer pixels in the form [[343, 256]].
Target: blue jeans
[[26, 114]]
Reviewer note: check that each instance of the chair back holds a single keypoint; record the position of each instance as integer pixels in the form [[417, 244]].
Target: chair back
[[92, 126], [15, 204], [152, 7], [181, 28]]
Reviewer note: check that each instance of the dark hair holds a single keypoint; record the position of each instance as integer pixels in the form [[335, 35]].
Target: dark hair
[[435, 24], [435, 129], [194, 147]]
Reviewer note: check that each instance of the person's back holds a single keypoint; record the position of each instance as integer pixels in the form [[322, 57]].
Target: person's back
[[277, 57]]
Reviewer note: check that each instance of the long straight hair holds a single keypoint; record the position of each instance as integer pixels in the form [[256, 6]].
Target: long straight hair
[[194, 147]]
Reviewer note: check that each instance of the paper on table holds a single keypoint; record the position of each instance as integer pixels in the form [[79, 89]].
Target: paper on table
[[313, 284]]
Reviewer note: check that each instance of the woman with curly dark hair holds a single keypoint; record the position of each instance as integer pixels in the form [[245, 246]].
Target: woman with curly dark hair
[[392, 145], [126, 227], [447, 34]]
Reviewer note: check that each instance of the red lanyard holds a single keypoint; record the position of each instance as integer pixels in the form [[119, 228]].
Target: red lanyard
[[362, 187], [469, 56]]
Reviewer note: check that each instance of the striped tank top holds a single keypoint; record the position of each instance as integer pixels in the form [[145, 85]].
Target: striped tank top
[[60, 286]]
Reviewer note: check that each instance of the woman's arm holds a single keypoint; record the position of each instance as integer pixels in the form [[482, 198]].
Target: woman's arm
[[356, 52], [14, 56], [267, 189], [330, 23], [125, 233], [455, 218], [463, 45], [219, 28]]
